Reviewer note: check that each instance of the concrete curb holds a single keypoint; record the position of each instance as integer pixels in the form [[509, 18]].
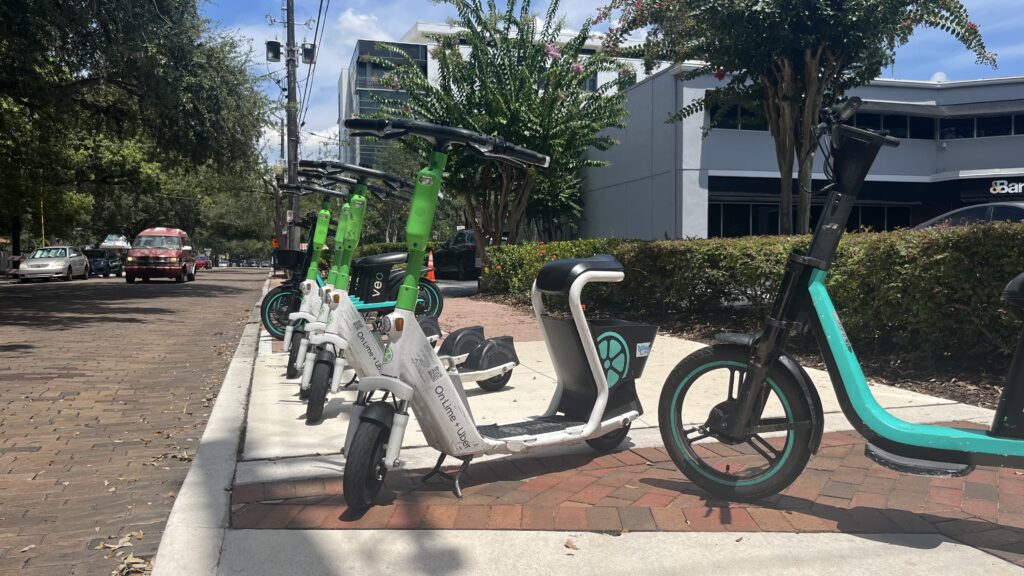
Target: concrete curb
[[192, 540]]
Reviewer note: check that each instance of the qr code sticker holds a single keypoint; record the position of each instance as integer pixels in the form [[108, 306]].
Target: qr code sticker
[[434, 373]]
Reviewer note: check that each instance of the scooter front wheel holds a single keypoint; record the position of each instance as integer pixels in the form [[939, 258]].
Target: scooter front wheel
[[364, 465], [274, 310], [695, 406], [293, 354], [318, 386]]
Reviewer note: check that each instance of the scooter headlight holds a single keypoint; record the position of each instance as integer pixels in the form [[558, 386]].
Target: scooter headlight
[[307, 286], [333, 299]]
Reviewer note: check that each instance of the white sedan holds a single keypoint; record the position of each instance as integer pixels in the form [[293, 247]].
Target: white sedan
[[64, 262]]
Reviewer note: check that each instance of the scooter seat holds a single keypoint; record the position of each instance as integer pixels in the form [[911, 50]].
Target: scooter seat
[[1014, 292], [385, 259], [557, 276]]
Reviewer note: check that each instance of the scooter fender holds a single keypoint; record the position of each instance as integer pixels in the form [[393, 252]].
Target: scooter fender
[[399, 389], [468, 333], [380, 412], [789, 364], [498, 347]]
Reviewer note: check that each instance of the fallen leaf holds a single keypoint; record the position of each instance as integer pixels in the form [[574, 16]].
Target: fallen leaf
[[570, 544], [740, 539], [27, 548], [138, 534]]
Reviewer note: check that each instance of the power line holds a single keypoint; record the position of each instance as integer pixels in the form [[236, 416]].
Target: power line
[[305, 88], [316, 55]]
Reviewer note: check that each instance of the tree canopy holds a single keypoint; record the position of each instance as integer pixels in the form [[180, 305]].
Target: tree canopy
[[504, 72], [118, 115], [784, 57]]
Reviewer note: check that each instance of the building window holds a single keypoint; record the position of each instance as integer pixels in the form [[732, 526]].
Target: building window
[[868, 121], [873, 218], [764, 219], [752, 120], [714, 220], [922, 128], [994, 126], [735, 220], [954, 128], [729, 119], [896, 125], [1018, 124]]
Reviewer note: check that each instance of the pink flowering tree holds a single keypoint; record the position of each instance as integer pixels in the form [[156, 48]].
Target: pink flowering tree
[[507, 73], [786, 58]]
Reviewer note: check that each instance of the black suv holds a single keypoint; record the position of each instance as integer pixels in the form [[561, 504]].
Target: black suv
[[458, 256], [104, 263]]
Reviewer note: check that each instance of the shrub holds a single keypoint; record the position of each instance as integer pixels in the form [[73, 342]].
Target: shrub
[[929, 295]]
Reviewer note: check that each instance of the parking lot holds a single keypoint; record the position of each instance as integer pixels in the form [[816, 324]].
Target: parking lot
[[105, 389]]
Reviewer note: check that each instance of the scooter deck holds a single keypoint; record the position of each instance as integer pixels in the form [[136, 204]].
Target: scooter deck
[[541, 425]]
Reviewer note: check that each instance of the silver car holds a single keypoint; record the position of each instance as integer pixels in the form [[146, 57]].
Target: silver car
[[64, 262]]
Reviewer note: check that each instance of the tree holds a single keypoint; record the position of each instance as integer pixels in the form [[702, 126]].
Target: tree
[[503, 73], [110, 109], [785, 57]]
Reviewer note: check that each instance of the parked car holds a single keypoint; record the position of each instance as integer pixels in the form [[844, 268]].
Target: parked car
[[265, 264], [64, 262], [203, 261], [161, 253], [458, 256], [979, 214], [104, 263]]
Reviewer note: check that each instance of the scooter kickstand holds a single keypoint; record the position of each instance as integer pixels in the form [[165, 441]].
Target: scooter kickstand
[[455, 478]]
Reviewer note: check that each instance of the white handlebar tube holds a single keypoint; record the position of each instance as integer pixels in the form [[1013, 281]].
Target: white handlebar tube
[[589, 348]]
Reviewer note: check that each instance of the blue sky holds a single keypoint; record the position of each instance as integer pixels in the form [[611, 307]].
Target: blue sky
[[930, 54]]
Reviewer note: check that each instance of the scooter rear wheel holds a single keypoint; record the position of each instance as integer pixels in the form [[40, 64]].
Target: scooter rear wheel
[[739, 468], [293, 354], [364, 465], [318, 386], [611, 440]]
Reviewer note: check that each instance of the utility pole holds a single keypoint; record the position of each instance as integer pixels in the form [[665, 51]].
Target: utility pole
[[293, 125]]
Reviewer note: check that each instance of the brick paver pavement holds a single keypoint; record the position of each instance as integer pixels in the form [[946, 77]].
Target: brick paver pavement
[[641, 490], [104, 392]]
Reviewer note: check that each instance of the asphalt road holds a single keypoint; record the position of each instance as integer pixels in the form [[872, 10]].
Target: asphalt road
[[105, 389]]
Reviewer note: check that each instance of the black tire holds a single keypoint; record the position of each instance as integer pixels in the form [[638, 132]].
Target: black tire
[[180, 277], [319, 384], [85, 272], [107, 275], [274, 310], [432, 298], [790, 458], [68, 277], [611, 440], [191, 276], [129, 279], [497, 357], [293, 354], [145, 279], [364, 465]]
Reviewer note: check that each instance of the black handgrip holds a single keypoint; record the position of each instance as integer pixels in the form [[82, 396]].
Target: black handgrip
[[525, 155], [890, 141], [842, 112]]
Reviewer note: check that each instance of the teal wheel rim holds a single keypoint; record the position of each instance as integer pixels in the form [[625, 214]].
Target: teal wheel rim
[[272, 313], [698, 464]]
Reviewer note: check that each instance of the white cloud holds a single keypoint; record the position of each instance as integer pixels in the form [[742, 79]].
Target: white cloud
[[940, 77]]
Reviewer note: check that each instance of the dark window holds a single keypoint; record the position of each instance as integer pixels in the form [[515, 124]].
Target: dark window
[[854, 222], [872, 218], [922, 128], [954, 128], [729, 119], [752, 120], [897, 217], [735, 220], [896, 125], [714, 220], [868, 121], [815, 216], [995, 126], [590, 84], [1018, 124], [1007, 214], [964, 217], [765, 219]]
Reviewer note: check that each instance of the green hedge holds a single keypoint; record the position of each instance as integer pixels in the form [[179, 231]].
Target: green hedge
[[930, 295]]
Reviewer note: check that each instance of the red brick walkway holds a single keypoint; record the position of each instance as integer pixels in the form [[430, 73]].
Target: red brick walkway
[[641, 490]]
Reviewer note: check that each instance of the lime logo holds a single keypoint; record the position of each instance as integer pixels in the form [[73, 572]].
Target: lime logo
[[388, 355], [614, 356], [1006, 187], [426, 180]]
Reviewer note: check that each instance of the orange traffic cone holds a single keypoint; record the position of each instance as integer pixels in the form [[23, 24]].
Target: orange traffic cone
[[430, 267]]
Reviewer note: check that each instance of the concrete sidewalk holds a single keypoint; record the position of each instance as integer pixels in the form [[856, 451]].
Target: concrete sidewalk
[[553, 512]]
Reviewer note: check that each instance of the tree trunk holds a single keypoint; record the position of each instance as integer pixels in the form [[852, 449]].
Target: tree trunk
[[16, 235], [780, 108]]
